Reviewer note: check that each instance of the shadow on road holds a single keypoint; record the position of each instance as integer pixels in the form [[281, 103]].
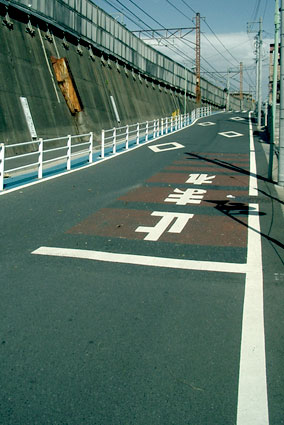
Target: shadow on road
[[235, 209], [228, 166]]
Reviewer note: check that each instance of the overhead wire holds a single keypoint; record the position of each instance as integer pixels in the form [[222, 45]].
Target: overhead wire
[[183, 14], [175, 49], [215, 35], [256, 9], [192, 20], [145, 24]]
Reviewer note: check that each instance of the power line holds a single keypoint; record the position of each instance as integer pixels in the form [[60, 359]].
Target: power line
[[182, 13], [256, 9], [189, 7], [148, 15], [215, 35], [203, 34], [175, 49]]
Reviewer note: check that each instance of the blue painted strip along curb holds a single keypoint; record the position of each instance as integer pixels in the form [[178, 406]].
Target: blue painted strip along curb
[[20, 180]]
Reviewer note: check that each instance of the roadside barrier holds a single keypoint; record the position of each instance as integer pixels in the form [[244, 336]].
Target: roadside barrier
[[41, 154]]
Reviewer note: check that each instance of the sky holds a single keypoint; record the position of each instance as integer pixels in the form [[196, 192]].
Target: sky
[[225, 39]]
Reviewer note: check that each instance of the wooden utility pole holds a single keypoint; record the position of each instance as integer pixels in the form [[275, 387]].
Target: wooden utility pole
[[197, 29]]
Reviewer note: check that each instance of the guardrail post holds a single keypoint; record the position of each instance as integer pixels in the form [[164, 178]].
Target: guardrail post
[[127, 137], [114, 141], [162, 126], [137, 134], [40, 158], [69, 146], [147, 131], [103, 144], [154, 130], [176, 122], [166, 125], [172, 123], [2, 166], [91, 139]]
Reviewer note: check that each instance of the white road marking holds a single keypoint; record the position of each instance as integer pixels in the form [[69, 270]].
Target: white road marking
[[237, 119], [154, 233], [142, 260], [230, 134], [184, 197], [253, 191], [252, 406], [252, 395], [205, 124], [200, 179], [169, 147]]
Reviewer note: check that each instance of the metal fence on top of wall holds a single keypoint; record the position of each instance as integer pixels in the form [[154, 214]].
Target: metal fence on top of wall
[[90, 23]]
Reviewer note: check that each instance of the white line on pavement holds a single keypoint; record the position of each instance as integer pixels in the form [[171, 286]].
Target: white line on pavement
[[252, 395], [252, 398], [142, 260], [253, 177]]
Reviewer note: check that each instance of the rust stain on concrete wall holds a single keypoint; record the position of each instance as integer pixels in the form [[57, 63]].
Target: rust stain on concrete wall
[[67, 84]]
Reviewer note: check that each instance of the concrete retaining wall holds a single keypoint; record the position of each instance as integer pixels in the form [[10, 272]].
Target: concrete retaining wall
[[26, 71], [27, 45]]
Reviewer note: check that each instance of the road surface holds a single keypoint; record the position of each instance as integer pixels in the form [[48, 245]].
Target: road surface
[[147, 289]]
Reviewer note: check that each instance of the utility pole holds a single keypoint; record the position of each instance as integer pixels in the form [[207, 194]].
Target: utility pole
[[241, 84], [197, 29], [258, 67], [259, 74], [274, 89], [161, 35], [281, 129], [228, 90], [185, 86]]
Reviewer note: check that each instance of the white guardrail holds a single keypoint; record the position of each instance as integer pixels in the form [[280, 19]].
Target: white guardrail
[[112, 140]]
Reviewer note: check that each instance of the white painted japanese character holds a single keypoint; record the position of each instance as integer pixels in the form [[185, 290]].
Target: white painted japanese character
[[154, 233], [200, 179], [184, 197]]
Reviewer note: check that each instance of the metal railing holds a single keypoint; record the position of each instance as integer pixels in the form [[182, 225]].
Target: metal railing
[[112, 141]]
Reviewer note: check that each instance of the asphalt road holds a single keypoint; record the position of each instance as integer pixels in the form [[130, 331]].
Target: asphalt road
[[139, 291]]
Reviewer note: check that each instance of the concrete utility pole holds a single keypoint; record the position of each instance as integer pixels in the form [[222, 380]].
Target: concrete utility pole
[[241, 84], [259, 74], [281, 129], [198, 92], [185, 86], [258, 68], [228, 90], [275, 84]]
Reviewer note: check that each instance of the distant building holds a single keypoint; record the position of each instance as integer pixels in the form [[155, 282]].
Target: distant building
[[271, 62]]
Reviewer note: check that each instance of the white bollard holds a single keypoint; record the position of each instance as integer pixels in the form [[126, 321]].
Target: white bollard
[[2, 167], [103, 144], [91, 140], [40, 158], [69, 152]]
